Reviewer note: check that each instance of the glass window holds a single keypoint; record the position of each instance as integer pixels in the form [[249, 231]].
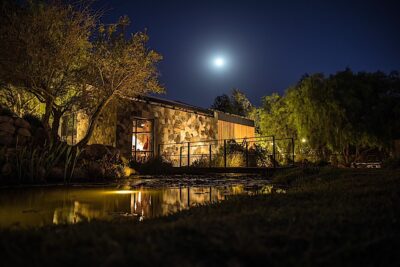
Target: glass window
[[142, 140]]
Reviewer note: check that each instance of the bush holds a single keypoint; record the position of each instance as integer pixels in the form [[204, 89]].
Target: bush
[[33, 120], [156, 165], [6, 112], [392, 163]]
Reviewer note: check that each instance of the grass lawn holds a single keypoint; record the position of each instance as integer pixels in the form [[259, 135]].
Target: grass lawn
[[334, 217]]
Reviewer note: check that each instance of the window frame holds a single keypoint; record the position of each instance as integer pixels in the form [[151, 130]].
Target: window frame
[[135, 134]]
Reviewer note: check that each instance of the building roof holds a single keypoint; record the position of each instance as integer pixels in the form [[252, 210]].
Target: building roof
[[208, 112]]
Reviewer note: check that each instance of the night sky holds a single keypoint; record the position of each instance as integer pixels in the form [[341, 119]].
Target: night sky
[[267, 45]]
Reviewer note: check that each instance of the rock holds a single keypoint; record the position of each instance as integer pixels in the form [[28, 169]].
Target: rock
[[7, 169], [21, 140], [7, 127], [95, 170], [40, 137], [79, 174], [21, 123], [4, 133], [99, 152], [24, 132], [5, 119], [56, 174], [6, 140]]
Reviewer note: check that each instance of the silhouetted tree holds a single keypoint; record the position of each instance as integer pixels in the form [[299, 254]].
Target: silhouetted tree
[[237, 103]]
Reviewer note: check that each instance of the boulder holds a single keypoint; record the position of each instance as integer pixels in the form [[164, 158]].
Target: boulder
[[40, 137], [4, 118], [95, 170], [56, 174], [24, 132], [7, 127], [79, 174], [6, 169], [99, 152], [6, 140], [21, 123]]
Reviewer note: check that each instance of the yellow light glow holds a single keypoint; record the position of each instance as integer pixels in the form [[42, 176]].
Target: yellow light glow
[[122, 192], [303, 140]]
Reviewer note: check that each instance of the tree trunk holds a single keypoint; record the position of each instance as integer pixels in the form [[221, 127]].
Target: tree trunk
[[346, 155], [56, 123], [47, 113], [93, 122]]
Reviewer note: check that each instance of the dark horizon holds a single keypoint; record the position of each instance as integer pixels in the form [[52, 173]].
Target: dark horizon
[[267, 46]]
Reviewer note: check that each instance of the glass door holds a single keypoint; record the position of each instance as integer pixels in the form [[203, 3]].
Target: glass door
[[142, 140]]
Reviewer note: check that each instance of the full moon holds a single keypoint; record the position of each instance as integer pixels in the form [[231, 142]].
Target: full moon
[[219, 62]]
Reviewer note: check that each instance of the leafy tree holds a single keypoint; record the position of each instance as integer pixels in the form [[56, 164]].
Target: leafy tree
[[237, 103], [44, 49], [19, 101], [119, 68], [346, 113], [222, 103]]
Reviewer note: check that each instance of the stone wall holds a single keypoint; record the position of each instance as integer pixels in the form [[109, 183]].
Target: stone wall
[[104, 132], [173, 128], [171, 125]]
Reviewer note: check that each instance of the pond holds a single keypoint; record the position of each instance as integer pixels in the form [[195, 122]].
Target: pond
[[34, 207]]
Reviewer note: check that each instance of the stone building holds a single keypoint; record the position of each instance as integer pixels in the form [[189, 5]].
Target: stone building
[[147, 126]]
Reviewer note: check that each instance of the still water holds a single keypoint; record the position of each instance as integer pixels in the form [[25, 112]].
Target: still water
[[44, 206]]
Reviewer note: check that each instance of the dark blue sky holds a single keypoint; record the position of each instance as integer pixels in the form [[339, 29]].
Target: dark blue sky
[[268, 45]]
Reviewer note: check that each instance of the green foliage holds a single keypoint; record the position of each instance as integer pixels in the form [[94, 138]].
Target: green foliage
[[237, 103], [344, 113], [34, 121], [155, 165], [33, 164], [6, 111], [44, 50], [19, 101]]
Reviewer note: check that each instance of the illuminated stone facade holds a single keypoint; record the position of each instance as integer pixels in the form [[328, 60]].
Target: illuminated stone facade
[[171, 122]]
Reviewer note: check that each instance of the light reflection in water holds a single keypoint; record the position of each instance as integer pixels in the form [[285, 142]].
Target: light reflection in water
[[39, 207]]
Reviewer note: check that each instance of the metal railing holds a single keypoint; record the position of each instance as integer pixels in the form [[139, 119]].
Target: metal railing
[[261, 151]]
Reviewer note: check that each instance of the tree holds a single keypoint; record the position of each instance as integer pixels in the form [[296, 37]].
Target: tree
[[44, 49], [240, 103], [19, 101], [119, 68], [346, 113], [222, 103], [237, 103]]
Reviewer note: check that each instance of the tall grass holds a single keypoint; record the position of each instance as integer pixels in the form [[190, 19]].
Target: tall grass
[[34, 163]]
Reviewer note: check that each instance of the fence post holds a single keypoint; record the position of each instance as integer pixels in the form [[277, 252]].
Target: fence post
[[293, 150], [209, 154], [247, 154], [180, 156], [188, 155], [273, 151], [225, 153]]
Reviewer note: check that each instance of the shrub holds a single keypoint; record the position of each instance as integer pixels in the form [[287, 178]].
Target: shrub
[[33, 120], [156, 165], [6, 112], [392, 163]]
